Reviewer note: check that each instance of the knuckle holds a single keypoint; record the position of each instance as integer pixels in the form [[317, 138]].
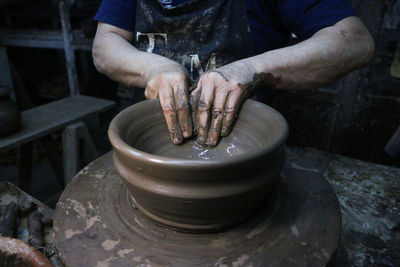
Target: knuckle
[[183, 108], [203, 109], [167, 107], [203, 106], [230, 110], [208, 76], [217, 109], [216, 113], [213, 75], [235, 88], [180, 76], [214, 78], [159, 79], [177, 77]]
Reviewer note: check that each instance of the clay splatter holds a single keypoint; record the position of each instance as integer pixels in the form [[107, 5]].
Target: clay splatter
[[110, 244]]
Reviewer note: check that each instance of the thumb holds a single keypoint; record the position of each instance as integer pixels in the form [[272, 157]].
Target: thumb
[[150, 93]]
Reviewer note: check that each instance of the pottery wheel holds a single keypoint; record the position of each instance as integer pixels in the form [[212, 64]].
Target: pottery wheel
[[96, 225]]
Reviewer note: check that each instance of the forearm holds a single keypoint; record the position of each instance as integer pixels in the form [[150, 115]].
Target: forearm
[[115, 57], [329, 54]]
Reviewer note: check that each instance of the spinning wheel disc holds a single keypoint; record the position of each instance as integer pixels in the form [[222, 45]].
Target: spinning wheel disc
[[96, 224]]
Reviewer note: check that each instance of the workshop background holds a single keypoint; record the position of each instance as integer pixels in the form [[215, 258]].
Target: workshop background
[[45, 46], [46, 61]]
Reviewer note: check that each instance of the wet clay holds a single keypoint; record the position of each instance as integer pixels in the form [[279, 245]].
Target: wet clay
[[194, 188], [193, 150], [96, 224], [262, 79]]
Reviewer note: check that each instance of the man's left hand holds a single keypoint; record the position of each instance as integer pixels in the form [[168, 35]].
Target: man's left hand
[[217, 100]]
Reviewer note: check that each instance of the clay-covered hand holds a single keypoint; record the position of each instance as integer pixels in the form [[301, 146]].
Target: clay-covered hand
[[170, 83], [217, 99]]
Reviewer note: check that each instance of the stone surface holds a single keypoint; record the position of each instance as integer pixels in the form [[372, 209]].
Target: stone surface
[[369, 195]]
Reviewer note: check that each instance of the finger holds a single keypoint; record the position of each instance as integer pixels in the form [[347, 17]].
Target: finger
[[194, 100], [150, 93], [231, 108], [217, 116], [182, 108], [168, 107], [203, 109]]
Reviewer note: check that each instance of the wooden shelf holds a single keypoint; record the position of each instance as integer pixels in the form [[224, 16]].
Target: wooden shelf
[[43, 39]]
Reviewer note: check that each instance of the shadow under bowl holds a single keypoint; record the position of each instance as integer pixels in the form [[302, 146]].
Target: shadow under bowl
[[192, 188]]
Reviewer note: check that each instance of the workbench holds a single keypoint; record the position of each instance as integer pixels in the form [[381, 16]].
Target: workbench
[[369, 196], [66, 114]]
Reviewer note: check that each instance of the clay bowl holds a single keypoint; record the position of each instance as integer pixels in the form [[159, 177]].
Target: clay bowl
[[191, 188]]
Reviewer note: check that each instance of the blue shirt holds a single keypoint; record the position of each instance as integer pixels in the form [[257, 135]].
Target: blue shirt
[[271, 21]]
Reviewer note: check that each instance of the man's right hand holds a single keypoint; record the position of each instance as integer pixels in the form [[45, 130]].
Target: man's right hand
[[116, 57], [171, 86]]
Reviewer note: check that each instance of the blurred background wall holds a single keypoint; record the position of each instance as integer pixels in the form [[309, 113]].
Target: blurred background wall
[[355, 117]]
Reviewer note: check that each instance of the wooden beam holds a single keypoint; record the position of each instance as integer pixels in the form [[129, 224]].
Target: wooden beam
[[51, 39]]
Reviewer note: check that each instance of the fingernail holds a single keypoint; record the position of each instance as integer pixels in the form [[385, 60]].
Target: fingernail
[[211, 142], [177, 140]]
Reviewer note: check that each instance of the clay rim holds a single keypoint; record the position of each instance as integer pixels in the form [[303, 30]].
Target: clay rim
[[138, 155]]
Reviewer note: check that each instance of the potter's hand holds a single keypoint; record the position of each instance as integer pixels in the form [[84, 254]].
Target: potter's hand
[[170, 84], [217, 99]]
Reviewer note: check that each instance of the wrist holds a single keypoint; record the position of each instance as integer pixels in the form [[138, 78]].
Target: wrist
[[258, 64], [164, 66], [241, 71]]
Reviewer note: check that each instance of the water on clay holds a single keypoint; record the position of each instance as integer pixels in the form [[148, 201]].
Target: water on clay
[[192, 150], [256, 128], [154, 139]]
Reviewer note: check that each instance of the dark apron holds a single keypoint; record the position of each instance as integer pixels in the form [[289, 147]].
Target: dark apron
[[200, 34]]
